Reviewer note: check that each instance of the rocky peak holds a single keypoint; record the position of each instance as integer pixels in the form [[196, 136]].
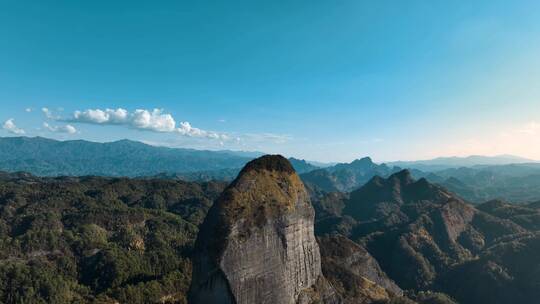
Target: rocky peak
[[302, 166], [394, 182], [381, 196], [364, 162], [276, 163], [266, 188], [361, 164], [404, 177], [257, 244]]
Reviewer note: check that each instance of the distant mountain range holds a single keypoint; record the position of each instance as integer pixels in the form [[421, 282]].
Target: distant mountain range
[[442, 163], [518, 183], [345, 177], [228, 174], [476, 179], [47, 157]]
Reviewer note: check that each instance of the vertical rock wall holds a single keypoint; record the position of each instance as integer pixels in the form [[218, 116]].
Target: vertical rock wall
[[257, 244]]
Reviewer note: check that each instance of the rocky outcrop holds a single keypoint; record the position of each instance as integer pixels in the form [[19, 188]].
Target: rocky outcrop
[[257, 244], [353, 272], [414, 229]]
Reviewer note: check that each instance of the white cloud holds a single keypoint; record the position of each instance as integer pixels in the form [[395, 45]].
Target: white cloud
[[185, 128], [10, 126], [28, 110], [140, 119], [69, 129], [49, 114], [97, 116], [154, 121]]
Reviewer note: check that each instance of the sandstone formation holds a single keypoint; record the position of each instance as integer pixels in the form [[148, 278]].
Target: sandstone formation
[[415, 230], [354, 273], [257, 244]]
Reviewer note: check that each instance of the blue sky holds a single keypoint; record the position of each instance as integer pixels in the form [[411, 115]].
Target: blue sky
[[321, 80]]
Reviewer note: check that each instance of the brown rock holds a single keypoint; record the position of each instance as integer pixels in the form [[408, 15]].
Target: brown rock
[[257, 243]]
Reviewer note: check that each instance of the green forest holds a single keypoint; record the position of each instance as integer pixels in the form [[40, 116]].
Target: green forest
[[98, 240]]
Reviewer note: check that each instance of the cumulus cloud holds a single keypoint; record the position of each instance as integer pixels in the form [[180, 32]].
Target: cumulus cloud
[[10, 126], [185, 128], [150, 120], [155, 120], [97, 116], [28, 110], [69, 129]]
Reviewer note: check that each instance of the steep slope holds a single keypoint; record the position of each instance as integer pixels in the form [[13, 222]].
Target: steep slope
[[323, 180], [354, 273], [301, 166], [257, 243], [417, 230], [508, 272], [524, 215]]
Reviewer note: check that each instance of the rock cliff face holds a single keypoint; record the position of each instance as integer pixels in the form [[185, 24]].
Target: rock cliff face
[[257, 244], [415, 230], [354, 273]]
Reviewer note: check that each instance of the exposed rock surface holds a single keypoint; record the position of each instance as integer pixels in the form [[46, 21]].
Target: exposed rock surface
[[416, 230], [354, 273], [257, 244]]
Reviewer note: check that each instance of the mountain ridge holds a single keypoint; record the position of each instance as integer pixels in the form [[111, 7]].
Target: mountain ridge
[[47, 157], [428, 228], [441, 163]]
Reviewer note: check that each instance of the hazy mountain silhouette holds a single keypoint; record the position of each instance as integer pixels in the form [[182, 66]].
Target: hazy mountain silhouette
[[442, 163], [346, 176], [47, 157], [518, 183]]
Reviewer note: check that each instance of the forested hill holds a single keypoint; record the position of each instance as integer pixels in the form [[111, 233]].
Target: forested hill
[[47, 157], [98, 240]]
